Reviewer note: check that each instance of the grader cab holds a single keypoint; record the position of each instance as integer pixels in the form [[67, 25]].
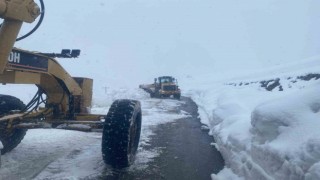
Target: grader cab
[[61, 99]]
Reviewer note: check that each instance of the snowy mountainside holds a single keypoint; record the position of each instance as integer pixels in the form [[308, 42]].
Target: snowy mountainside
[[282, 83], [265, 123]]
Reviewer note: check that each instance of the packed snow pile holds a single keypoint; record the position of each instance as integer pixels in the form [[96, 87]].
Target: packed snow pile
[[225, 174], [288, 129], [265, 133]]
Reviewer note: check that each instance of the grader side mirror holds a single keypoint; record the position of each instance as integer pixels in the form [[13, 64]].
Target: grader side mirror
[[75, 53], [65, 52]]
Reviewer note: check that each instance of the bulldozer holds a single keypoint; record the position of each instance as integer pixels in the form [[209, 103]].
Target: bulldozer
[[163, 87], [61, 99]]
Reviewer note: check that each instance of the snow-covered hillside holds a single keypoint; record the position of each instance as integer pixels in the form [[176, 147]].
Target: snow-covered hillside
[[264, 133]]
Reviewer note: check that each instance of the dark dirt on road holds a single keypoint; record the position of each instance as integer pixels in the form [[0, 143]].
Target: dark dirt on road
[[186, 153]]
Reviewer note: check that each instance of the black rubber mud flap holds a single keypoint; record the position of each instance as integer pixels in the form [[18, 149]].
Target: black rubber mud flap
[[10, 139], [121, 133]]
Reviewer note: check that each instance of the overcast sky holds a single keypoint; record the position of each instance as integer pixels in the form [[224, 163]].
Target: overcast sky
[[132, 41]]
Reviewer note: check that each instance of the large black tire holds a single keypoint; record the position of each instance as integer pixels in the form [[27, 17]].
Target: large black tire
[[10, 139], [121, 133]]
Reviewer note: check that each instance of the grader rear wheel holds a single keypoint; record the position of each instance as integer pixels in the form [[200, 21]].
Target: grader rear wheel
[[121, 133], [10, 138]]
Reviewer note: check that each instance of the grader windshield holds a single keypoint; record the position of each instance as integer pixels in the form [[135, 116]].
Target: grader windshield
[[166, 79]]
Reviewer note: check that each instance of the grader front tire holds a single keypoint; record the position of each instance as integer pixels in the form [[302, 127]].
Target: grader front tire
[[10, 138], [121, 133]]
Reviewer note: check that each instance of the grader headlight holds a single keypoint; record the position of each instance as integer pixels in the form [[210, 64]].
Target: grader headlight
[[20, 10]]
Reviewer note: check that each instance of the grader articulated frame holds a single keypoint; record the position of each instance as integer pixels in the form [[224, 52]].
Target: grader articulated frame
[[67, 99]]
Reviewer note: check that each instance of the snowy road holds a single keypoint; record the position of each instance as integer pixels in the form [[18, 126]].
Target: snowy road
[[162, 154]]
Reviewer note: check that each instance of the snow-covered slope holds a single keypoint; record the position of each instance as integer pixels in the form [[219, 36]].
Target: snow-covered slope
[[265, 133]]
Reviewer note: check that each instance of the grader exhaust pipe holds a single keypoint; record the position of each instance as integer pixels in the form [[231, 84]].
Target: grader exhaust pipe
[[14, 13]]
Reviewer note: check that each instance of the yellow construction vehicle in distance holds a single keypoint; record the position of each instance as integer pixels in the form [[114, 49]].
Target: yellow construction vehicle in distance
[[163, 87]]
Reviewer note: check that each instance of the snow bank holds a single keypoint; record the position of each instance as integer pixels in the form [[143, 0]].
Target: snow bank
[[264, 134], [288, 130], [225, 174]]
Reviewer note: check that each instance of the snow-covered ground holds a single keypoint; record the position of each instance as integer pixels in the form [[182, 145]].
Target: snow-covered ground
[[263, 134], [64, 154]]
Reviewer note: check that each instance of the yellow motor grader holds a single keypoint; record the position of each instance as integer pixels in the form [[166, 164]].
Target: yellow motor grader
[[163, 87], [61, 99]]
